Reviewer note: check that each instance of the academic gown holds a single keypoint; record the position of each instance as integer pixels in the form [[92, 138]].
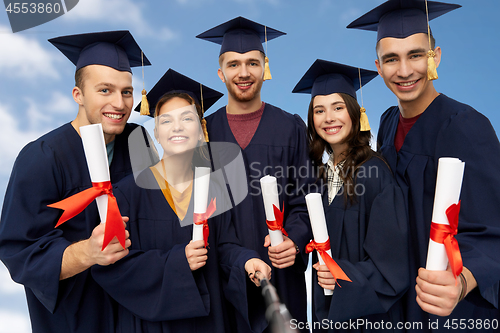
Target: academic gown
[[154, 286], [46, 171], [448, 128], [369, 241], [278, 148]]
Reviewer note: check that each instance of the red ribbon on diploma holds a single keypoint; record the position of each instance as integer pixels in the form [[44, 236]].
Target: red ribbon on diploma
[[76, 203], [202, 218], [444, 234], [277, 224], [337, 272]]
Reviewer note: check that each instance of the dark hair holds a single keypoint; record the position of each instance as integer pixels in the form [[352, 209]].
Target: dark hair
[[221, 58], [433, 44], [80, 76], [185, 96], [201, 155], [357, 153]]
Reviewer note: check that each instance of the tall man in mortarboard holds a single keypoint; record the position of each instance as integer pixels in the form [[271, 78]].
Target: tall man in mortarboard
[[424, 126], [53, 263], [273, 142]]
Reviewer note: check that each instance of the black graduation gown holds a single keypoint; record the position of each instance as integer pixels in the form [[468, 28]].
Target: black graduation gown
[[48, 170], [369, 241], [154, 286], [448, 128], [278, 148]]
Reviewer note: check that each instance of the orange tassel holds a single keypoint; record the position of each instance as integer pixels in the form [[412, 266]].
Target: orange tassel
[[204, 127], [267, 72], [363, 121], [431, 66], [144, 104]]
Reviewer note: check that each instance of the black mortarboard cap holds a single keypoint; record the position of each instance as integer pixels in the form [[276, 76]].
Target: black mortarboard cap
[[401, 18], [173, 81], [240, 35], [115, 49], [326, 77]]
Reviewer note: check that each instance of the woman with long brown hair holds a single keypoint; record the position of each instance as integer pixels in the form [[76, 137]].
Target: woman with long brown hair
[[365, 214]]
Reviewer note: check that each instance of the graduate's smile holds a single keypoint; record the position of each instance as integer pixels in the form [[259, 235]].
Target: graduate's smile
[[331, 130], [244, 85], [178, 139], [407, 85], [114, 116]]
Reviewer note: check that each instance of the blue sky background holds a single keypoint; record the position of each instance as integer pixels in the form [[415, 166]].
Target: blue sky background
[[36, 80]]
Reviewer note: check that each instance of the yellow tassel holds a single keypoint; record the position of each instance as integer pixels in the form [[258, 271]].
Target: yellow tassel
[[431, 66], [204, 127], [363, 120], [267, 72], [144, 104]]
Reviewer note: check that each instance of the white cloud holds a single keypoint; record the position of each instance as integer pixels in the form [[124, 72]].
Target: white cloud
[[24, 57], [7, 286], [12, 296], [12, 138], [19, 126], [44, 116], [125, 12], [166, 34], [35, 116], [61, 103], [14, 322]]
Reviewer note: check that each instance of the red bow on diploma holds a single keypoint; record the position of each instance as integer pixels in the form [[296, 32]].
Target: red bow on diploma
[[202, 218], [337, 272], [76, 203], [277, 224], [444, 234]]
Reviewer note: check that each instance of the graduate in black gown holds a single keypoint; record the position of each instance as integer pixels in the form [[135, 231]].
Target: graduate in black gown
[[364, 208], [424, 126], [52, 264], [169, 283], [273, 142]]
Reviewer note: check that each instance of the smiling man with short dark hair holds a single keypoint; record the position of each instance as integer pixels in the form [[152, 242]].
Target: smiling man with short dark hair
[[52, 263], [423, 127]]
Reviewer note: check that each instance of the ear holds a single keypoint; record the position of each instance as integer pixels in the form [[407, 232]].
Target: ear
[[78, 95], [221, 75], [155, 132], [379, 70], [437, 58]]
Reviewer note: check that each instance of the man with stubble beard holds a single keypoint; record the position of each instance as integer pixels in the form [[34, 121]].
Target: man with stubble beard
[[273, 142]]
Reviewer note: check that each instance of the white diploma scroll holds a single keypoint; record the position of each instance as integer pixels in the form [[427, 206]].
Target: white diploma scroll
[[270, 196], [201, 184], [449, 182], [318, 223], [97, 162]]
